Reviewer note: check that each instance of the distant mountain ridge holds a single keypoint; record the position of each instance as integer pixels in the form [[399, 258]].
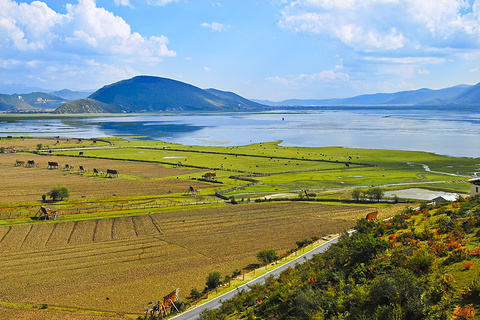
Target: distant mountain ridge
[[423, 96], [153, 94], [71, 95], [30, 102]]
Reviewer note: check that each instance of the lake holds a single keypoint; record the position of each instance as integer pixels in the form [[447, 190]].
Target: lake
[[438, 130]]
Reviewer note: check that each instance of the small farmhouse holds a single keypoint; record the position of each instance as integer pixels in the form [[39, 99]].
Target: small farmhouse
[[474, 186]]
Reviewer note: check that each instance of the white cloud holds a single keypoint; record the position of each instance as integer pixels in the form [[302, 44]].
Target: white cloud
[[84, 27], [207, 69], [123, 3], [160, 2], [332, 76], [423, 71], [473, 70], [215, 26], [387, 25]]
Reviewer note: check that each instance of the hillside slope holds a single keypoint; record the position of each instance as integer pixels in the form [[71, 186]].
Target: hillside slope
[[418, 265], [86, 106], [469, 97]]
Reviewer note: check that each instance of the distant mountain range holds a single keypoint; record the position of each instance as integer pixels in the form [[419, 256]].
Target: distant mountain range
[[30, 102], [152, 94], [458, 95]]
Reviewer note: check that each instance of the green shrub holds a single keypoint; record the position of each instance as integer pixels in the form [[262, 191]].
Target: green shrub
[[213, 280], [267, 255]]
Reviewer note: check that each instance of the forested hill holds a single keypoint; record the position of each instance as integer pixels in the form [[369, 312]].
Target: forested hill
[[146, 93], [418, 265]]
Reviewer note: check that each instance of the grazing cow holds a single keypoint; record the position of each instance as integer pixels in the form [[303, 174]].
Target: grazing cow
[[69, 167], [96, 172], [210, 175], [31, 164], [80, 153], [52, 165], [19, 163], [82, 169], [112, 173], [372, 216]]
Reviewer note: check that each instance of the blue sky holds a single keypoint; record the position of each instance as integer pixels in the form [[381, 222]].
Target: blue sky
[[270, 49]]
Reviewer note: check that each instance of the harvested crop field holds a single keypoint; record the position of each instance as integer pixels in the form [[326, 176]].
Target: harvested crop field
[[120, 264], [20, 184]]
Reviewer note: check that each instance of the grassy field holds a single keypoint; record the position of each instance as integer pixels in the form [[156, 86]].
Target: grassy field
[[120, 243]]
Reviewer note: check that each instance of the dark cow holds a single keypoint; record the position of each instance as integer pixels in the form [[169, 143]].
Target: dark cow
[[52, 165], [112, 173], [31, 164]]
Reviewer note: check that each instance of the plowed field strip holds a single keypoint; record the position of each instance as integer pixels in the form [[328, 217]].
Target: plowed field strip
[[123, 229], [78, 251], [83, 233], [25, 239], [134, 227], [145, 226], [60, 235], [79, 247], [156, 224], [104, 230], [14, 239], [102, 260], [38, 236], [3, 232], [94, 258]]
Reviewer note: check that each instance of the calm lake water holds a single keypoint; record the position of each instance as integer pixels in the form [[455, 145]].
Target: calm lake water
[[443, 131]]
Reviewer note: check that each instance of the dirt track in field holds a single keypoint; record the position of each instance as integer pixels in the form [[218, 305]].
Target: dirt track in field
[[136, 259], [20, 184]]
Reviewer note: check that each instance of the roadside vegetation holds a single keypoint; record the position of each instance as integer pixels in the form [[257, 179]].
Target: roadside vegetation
[[421, 264]]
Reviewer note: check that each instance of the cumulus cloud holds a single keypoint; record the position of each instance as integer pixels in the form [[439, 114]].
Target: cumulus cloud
[[85, 26], [387, 25], [215, 26]]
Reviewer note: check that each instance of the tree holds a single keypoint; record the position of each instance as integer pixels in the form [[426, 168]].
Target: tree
[[356, 194], [194, 294], [213, 280], [59, 193], [267, 255], [39, 146], [375, 193]]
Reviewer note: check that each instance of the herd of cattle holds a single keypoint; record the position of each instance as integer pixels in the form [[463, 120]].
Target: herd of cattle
[[110, 173]]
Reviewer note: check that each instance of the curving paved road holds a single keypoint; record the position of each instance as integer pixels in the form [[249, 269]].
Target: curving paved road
[[194, 313]]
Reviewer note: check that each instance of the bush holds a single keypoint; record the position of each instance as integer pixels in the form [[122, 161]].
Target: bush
[[59, 193], [421, 261], [213, 280], [194, 294], [267, 256]]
